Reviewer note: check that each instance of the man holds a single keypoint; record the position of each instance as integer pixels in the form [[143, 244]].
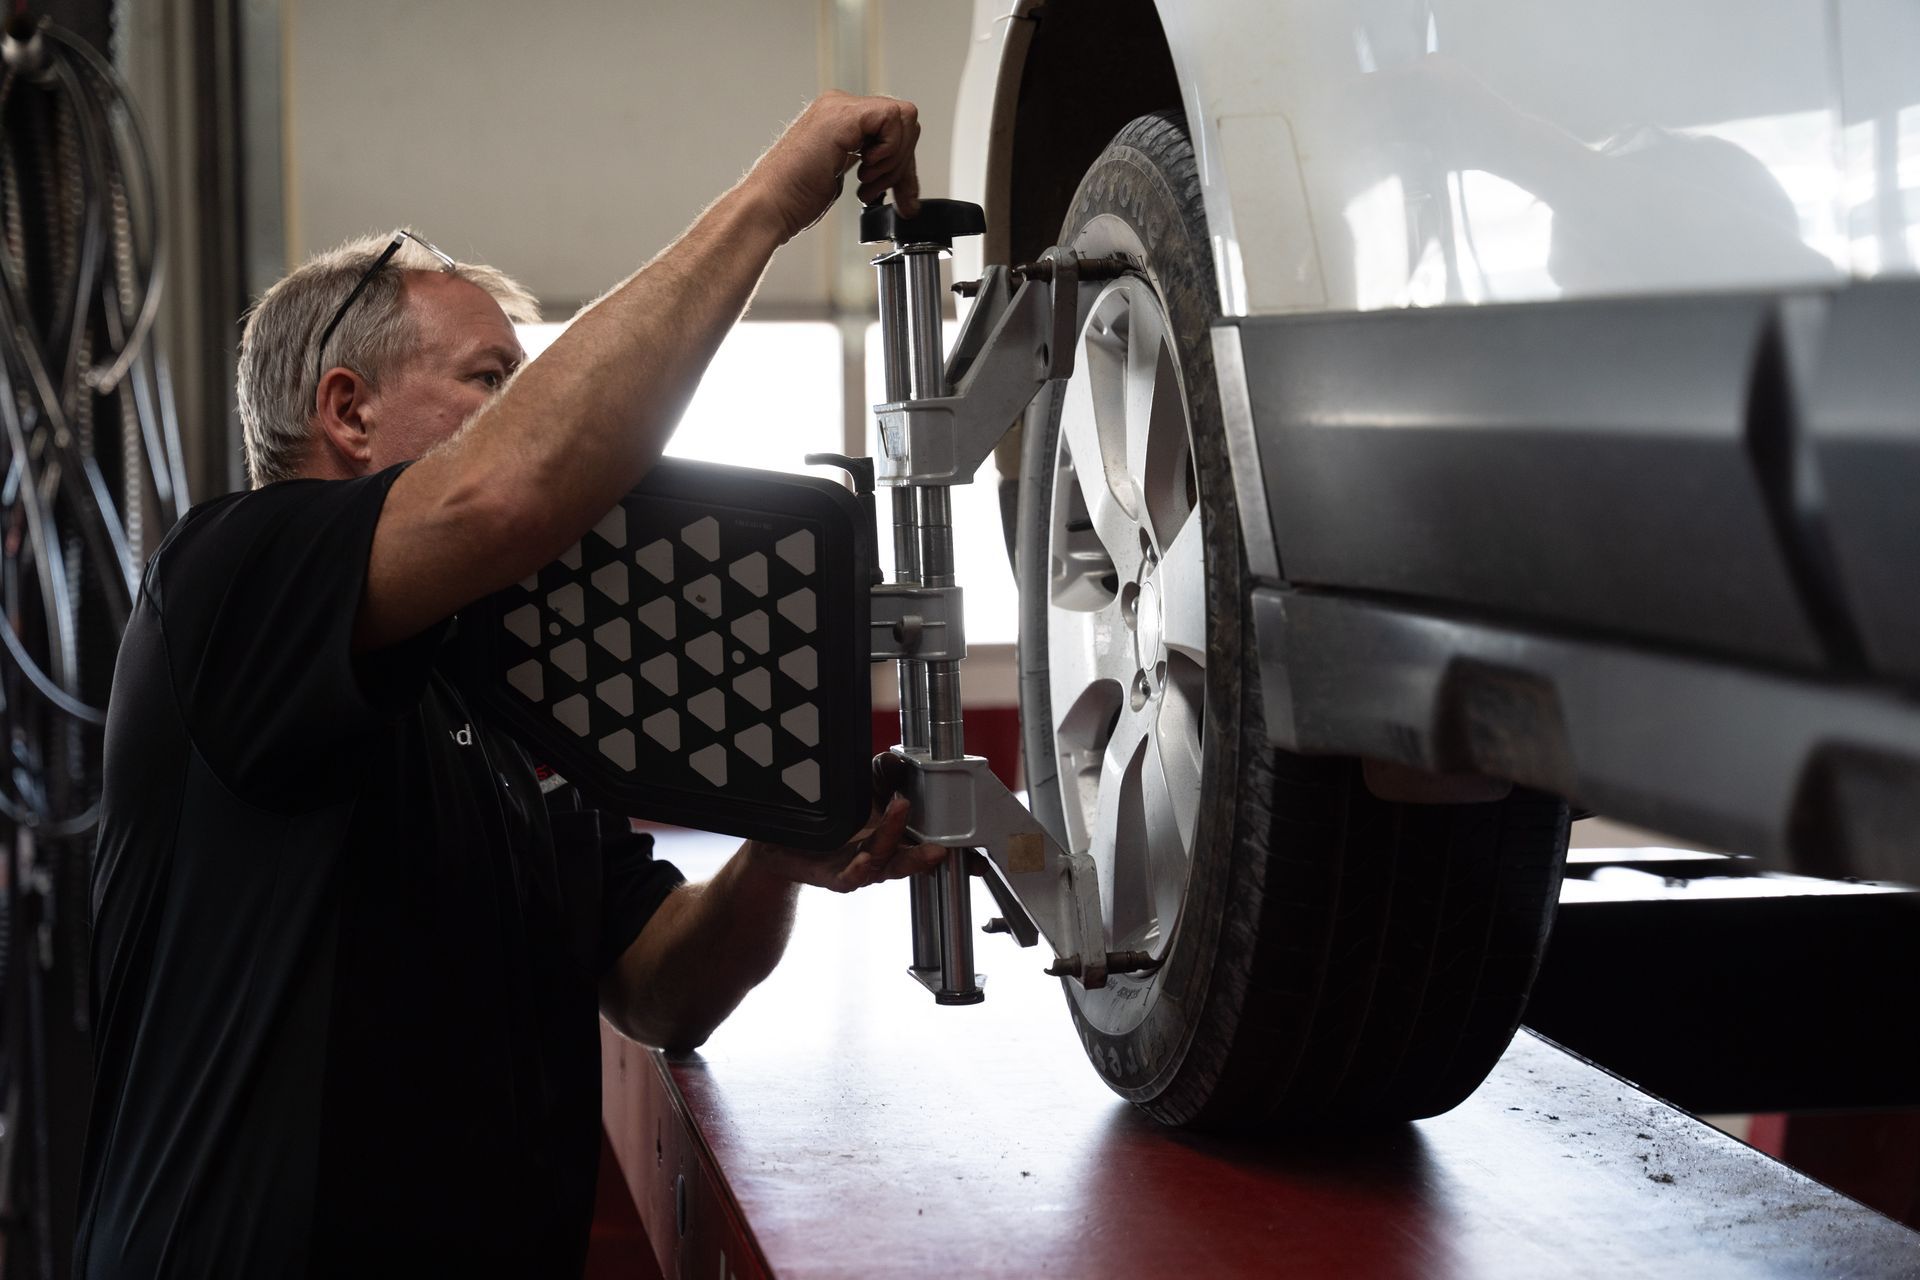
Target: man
[[345, 977]]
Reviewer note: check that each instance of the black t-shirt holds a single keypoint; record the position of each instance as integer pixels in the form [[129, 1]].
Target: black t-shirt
[[345, 961]]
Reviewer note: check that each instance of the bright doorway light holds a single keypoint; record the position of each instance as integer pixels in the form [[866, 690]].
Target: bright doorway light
[[772, 394]]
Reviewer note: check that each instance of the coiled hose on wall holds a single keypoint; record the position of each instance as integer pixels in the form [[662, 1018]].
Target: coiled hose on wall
[[91, 472]]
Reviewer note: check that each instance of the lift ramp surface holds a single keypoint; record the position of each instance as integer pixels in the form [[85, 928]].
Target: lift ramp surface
[[842, 1124]]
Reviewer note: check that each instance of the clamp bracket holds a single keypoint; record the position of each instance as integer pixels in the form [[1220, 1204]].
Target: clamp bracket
[[927, 624], [1018, 337], [961, 804]]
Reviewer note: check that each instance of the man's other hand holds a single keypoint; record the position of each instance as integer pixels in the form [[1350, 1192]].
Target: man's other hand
[[709, 944], [802, 173], [878, 852]]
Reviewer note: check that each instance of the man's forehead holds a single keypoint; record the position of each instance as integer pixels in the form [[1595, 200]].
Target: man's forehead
[[458, 317]]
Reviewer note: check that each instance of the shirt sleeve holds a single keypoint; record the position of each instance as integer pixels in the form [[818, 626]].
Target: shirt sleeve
[[609, 877], [258, 597], [633, 885]]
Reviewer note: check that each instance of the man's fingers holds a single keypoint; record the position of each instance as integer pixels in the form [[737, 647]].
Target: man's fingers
[[858, 873], [915, 860], [906, 189], [906, 192], [895, 812], [893, 824], [889, 776], [892, 130], [912, 860], [904, 185], [888, 121], [900, 179], [870, 866]]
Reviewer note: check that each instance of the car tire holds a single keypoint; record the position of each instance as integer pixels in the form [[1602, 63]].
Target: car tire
[[1329, 957]]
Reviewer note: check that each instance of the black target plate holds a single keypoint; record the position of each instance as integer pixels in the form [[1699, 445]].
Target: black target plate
[[699, 657]]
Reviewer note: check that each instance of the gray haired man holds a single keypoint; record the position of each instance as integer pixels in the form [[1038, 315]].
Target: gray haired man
[[346, 976]]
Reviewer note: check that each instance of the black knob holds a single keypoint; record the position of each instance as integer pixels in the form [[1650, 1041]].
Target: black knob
[[938, 222]]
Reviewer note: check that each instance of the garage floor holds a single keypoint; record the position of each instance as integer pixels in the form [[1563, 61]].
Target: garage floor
[[840, 1123]]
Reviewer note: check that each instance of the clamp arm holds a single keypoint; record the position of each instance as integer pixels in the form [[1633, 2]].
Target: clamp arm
[[1014, 341]]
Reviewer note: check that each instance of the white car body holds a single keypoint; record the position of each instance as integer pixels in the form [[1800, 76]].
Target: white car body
[[1542, 321], [1394, 153]]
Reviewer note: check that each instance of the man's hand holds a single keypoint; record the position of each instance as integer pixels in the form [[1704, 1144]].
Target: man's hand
[[875, 854], [800, 176], [710, 944]]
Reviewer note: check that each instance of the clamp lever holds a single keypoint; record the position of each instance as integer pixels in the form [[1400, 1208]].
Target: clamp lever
[[860, 470]]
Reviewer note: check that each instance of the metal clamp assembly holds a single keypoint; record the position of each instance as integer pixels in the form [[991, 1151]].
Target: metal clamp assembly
[[1049, 891], [1017, 338], [940, 421], [923, 623]]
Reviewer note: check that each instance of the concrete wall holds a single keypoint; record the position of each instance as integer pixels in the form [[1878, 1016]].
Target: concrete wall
[[567, 142]]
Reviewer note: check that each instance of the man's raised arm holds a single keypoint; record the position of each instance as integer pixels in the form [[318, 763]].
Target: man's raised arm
[[580, 426]]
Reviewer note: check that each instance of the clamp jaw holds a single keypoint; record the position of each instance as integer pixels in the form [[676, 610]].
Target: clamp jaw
[[942, 418]]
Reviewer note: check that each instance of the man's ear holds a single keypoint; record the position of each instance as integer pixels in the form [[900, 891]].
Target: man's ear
[[343, 409]]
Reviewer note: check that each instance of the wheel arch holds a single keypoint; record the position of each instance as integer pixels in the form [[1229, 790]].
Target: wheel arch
[[1072, 74]]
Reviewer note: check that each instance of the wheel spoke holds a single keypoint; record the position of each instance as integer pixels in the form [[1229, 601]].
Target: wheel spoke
[[1116, 828], [1181, 581], [1177, 756], [1170, 806], [1132, 920], [1156, 427], [1089, 664], [1144, 344], [1085, 649], [1092, 424]]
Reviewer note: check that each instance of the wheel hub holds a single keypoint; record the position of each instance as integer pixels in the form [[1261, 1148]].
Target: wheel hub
[[1149, 623]]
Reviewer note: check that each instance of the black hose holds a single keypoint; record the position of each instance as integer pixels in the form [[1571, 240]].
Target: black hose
[[81, 274], [116, 94], [88, 440], [44, 684]]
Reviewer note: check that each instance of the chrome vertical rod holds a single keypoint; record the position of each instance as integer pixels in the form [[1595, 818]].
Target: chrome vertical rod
[[896, 346], [915, 735], [926, 337], [897, 331], [946, 733], [914, 732], [958, 982]]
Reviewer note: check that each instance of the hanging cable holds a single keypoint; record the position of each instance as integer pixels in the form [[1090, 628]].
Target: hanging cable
[[81, 270], [90, 467]]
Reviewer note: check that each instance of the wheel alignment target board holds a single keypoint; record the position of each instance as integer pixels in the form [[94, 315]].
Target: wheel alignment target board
[[700, 657]]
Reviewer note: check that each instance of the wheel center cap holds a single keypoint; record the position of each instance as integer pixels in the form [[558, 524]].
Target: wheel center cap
[[1147, 634]]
